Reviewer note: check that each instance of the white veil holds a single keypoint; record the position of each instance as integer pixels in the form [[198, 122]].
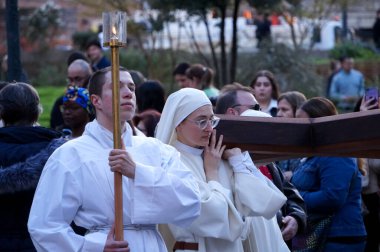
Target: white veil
[[251, 112], [178, 106]]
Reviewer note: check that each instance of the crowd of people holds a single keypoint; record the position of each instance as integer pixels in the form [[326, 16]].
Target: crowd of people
[[183, 190]]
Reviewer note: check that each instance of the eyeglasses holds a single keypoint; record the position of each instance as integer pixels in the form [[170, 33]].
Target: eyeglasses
[[76, 79], [202, 124], [253, 107]]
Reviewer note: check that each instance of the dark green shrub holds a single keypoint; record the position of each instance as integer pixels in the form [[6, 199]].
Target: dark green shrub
[[293, 69], [355, 50], [80, 39], [133, 59], [51, 75]]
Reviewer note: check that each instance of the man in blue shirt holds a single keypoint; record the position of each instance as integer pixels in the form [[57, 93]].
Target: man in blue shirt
[[347, 86]]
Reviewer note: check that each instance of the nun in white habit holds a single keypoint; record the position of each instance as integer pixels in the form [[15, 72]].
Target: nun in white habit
[[231, 186]]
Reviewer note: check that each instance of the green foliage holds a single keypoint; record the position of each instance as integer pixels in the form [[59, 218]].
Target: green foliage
[[133, 59], [80, 39], [43, 21], [161, 66], [48, 95], [292, 69], [51, 75], [355, 50]]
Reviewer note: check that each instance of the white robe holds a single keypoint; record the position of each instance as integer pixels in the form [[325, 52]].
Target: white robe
[[241, 191], [77, 184]]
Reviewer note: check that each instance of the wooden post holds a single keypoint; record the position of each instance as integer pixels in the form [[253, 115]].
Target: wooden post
[[118, 177], [269, 139], [115, 36]]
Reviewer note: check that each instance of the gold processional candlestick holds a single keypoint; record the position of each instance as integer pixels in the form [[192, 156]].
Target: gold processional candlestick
[[115, 36]]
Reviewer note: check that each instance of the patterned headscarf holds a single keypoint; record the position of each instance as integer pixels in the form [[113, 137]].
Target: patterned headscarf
[[80, 96]]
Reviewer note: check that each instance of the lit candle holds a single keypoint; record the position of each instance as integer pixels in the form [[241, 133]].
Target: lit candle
[[114, 33]]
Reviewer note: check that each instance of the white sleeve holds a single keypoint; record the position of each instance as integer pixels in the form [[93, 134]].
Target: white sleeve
[[219, 217], [255, 194], [170, 192], [49, 223]]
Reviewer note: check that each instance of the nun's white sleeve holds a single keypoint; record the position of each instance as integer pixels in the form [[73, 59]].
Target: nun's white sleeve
[[169, 190], [219, 217], [255, 194]]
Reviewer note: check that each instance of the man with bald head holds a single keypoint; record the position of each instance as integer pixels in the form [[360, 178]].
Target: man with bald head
[[78, 74]]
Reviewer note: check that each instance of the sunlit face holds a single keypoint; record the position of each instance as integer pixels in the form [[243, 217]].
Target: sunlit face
[[348, 64], [189, 133], [263, 89], [244, 101], [77, 77], [74, 115], [103, 104], [301, 114], [94, 53], [193, 83], [285, 109], [182, 80]]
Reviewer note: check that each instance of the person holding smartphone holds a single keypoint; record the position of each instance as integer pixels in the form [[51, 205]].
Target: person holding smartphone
[[370, 100], [370, 196]]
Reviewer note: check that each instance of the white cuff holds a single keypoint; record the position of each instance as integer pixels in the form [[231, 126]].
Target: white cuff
[[242, 163]]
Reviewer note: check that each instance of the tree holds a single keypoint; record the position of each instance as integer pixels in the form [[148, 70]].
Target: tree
[[13, 41], [200, 8], [44, 24], [313, 14]]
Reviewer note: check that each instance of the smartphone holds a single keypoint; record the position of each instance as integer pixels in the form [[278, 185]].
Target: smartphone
[[372, 93]]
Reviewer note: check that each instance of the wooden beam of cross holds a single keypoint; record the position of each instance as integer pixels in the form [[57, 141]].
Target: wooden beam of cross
[[269, 139]]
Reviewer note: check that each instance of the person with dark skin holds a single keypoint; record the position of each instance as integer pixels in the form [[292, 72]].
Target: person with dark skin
[[78, 74], [77, 110]]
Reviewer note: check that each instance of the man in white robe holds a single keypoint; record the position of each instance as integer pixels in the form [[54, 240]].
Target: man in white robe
[[77, 184]]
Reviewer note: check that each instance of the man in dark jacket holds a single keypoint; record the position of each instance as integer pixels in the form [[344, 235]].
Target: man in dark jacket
[[236, 99], [24, 149], [95, 54]]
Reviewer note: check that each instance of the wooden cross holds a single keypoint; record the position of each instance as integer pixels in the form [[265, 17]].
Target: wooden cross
[[269, 139]]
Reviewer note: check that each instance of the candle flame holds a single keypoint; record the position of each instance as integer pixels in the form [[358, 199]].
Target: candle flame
[[114, 30]]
